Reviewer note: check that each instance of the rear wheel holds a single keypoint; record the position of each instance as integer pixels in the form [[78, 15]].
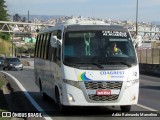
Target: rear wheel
[[125, 108], [44, 95]]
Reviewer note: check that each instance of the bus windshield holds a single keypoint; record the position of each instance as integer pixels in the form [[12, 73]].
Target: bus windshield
[[98, 47]]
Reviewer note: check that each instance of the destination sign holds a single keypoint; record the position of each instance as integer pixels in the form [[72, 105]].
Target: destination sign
[[114, 33]]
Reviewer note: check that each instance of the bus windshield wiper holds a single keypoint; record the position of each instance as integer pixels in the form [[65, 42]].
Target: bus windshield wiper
[[124, 63], [92, 63], [98, 65]]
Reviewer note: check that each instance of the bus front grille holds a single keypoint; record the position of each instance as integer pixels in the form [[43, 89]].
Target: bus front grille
[[103, 98], [93, 86], [103, 85]]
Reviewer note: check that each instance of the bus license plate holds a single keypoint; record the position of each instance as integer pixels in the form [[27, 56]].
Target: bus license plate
[[103, 92]]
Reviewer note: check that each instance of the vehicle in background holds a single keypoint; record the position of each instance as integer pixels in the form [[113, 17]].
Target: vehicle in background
[[24, 56], [12, 63], [27, 56], [1, 61]]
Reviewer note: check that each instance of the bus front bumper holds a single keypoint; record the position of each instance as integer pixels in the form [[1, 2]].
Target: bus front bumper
[[73, 96]]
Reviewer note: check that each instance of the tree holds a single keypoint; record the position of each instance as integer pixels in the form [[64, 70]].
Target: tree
[[3, 17], [4, 47], [3, 12], [24, 19], [31, 49], [17, 18]]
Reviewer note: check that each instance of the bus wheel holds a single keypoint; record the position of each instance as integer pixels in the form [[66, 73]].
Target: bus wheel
[[44, 95], [125, 108], [61, 107]]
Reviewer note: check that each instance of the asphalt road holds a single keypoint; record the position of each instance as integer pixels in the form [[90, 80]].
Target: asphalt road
[[149, 98], [150, 91]]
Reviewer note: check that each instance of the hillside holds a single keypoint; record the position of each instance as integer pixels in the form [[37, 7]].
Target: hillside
[[5, 48], [40, 17]]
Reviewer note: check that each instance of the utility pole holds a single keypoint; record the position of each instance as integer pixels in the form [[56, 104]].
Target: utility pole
[[28, 16], [137, 18], [12, 45]]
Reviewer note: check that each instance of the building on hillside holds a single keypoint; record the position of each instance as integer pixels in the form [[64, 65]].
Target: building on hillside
[[29, 40]]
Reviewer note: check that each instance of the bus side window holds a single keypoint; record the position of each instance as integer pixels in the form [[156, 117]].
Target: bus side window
[[36, 47], [48, 47], [50, 53], [43, 46], [58, 52], [59, 34], [53, 54], [54, 49], [40, 46]]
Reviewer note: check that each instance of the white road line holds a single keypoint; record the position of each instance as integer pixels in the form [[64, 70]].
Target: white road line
[[34, 103], [145, 107]]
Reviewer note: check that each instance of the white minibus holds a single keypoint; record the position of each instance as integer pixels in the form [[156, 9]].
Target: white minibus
[[84, 62]]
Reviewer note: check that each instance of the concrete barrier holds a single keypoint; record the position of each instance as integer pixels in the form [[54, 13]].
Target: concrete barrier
[[149, 60]]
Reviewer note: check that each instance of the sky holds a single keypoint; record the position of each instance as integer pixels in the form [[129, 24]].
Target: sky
[[149, 10]]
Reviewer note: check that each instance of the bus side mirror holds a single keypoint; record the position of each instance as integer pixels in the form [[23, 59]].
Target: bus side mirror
[[138, 41], [54, 41]]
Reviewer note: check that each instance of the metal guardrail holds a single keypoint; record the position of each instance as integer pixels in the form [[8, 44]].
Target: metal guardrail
[[146, 34]]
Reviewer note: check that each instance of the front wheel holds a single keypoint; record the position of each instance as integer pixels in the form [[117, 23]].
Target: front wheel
[[61, 107], [125, 108]]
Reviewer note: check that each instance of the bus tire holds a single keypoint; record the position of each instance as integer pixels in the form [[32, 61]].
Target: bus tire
[[40, 85], [125, 108], [44, 95], [61, 107]]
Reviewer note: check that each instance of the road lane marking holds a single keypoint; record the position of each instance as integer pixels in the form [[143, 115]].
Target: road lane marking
[[33, 102], [145, 107]]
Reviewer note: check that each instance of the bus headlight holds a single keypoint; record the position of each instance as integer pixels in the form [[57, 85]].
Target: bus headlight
[[70, 98], [73, 83], [132, 82]]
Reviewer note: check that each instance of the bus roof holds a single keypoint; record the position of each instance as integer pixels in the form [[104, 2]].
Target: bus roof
[[84, 24], [81, 21]]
